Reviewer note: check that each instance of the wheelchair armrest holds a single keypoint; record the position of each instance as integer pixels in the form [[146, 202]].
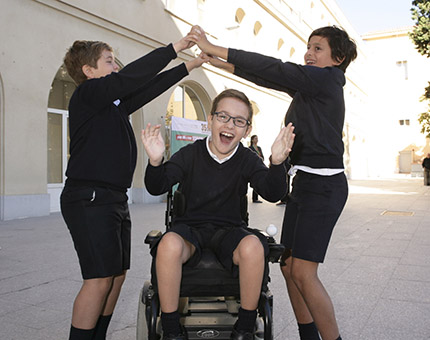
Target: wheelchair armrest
[[275, 250], [152, 237]]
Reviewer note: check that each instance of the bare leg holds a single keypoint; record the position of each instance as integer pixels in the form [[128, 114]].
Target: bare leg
[[304, 275], [301, 311], [90, 301], [172, 252], [112, 298], [249, 256]]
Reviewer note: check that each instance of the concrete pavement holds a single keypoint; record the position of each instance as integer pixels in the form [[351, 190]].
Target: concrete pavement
[[377, 269]]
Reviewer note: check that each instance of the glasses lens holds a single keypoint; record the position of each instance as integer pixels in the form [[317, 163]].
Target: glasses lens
[[239, 122], [225, 118]]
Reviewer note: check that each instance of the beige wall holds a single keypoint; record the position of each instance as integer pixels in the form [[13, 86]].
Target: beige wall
[[35, 35]]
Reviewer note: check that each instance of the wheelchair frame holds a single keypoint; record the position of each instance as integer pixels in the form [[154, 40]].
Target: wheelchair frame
[[204, 317]]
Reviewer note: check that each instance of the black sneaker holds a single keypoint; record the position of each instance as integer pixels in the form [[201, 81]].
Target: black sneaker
[[182, 336], [241, 335]]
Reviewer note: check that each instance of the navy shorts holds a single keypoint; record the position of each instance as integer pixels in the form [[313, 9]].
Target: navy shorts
[[99, 221], [222, 241], [313, 208]]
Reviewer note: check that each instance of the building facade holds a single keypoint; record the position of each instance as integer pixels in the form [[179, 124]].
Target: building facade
[[396, 81], [35, 89]]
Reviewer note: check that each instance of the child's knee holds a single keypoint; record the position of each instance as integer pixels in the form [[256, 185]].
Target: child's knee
[[250, 248], [171, 244], [99, 285]]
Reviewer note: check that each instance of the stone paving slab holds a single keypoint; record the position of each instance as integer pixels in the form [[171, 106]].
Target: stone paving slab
[[377, 269]]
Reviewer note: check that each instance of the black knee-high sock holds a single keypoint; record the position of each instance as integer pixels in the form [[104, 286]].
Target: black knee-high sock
[[246, 320], [308, 331], [170, 323], [81, 334], [101, 327]]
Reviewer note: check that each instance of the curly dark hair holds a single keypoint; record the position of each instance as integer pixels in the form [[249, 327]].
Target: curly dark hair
[[343, 48]]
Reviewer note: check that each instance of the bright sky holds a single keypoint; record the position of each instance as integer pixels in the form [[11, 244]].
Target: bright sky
[[375, 15]]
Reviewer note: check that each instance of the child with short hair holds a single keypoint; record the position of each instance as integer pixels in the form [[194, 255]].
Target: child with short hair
[[102, 160], [214, 174], [320, 188]]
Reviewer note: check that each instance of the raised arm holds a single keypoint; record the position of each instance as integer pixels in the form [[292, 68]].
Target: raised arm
[[198, 36], [154, 144], [282, 145], [184, 43]]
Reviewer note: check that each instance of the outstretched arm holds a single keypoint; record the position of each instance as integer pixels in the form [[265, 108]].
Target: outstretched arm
[[197, 62], [198, 36], [282, 145], [214, 61], [153, 143], [184, 43]]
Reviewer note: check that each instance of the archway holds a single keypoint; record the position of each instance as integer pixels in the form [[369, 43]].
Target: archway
[[189, 100]]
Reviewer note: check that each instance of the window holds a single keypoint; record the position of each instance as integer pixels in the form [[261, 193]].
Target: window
[[404, 122], [58, 145], [185, 102], [240, 14], [257, 27], [403, 66]]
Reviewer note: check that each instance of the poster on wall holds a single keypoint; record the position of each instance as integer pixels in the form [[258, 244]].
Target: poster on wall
[[186, 131]]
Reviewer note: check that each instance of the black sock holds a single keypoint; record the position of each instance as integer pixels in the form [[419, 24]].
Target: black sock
[[80, 334], [308, 331], [339, 338], [101, 327], [170, 323], [246, 320]]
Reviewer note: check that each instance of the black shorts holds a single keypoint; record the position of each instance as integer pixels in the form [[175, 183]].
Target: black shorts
[[99, 221], [222, 240], [313, 208]]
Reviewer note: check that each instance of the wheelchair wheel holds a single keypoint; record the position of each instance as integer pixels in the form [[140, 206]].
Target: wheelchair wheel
[[265, 319], [148, 323]]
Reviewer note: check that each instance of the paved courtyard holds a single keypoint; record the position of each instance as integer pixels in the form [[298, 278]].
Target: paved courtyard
[[377, 269]]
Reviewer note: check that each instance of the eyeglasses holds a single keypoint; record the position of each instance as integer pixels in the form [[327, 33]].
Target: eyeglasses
[[225, 118]]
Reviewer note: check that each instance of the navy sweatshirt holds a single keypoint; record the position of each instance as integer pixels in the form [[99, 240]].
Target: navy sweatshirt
[[102, 143], [213, 191], [317, 110]]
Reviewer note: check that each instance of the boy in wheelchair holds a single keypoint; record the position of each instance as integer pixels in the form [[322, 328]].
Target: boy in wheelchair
[[214, 174]]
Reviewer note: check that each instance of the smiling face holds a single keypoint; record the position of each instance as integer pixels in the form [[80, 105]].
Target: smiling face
[[226, 136], [105, 65], [319, 53]]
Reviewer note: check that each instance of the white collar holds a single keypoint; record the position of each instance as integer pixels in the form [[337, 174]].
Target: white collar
[[215, 157]]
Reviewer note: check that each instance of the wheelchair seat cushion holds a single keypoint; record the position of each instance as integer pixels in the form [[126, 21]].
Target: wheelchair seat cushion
[[211, 269]]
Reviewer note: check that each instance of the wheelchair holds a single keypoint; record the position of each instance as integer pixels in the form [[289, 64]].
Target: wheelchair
[[209, 294]]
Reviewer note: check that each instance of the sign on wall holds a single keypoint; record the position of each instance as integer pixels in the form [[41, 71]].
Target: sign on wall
[[186, 131]]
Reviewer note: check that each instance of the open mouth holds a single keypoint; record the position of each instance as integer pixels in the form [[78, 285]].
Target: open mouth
[[226, 137]]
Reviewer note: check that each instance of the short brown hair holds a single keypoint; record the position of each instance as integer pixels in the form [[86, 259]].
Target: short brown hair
[[232, 93], [83, 52]]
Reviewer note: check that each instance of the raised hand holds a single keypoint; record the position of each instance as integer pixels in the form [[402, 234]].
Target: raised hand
[[282, 145], [198, 36], [184, 43], [197, 62], [153, 143]]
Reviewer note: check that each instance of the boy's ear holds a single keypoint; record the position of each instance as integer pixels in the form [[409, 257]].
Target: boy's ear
[[88, 71], [248, 131], [339, 61], [210, 119]]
